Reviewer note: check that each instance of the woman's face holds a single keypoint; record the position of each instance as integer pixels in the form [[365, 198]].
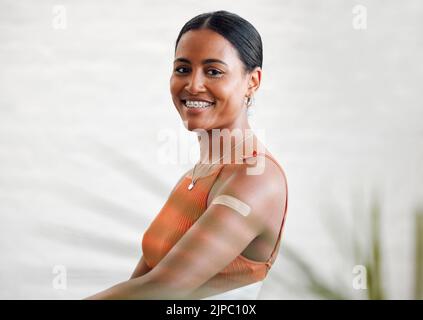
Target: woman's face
[[207, 68]]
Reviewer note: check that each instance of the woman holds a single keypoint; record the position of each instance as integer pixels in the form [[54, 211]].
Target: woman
[[221, 226]]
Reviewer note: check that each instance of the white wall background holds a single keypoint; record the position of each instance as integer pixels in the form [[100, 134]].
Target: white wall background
[[82, 110]]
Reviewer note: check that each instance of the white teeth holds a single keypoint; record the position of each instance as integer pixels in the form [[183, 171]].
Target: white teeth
[[197, 104]]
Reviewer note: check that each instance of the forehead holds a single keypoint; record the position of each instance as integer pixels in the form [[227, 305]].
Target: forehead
[[197, 45]]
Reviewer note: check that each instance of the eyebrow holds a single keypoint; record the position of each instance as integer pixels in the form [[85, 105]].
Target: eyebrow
[[206, 61]]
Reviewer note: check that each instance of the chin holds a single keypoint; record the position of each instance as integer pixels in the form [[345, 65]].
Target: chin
[[194, 125]]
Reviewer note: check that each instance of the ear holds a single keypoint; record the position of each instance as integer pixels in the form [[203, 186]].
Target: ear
[[254, 81]]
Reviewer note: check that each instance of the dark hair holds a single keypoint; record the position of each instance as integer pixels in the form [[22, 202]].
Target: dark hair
[[238, 31]]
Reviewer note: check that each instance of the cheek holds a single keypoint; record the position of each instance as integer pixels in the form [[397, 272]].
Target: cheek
[[229, 91], [177, 83], [174, 85]]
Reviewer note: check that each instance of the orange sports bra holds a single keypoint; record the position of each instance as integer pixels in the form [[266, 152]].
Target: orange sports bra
[[179, 213]]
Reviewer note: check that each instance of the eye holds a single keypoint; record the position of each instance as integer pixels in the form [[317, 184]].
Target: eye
[[214, 73], [181, 70]]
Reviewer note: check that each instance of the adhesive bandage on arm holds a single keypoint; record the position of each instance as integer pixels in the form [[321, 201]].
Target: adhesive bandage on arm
[[232, 203]]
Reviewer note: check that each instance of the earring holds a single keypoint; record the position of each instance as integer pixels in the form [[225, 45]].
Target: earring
[[249, 101]]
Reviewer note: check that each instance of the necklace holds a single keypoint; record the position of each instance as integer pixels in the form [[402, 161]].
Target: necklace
[[194, 180]]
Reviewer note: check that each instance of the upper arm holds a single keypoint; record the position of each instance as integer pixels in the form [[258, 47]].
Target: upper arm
[[221, 233]]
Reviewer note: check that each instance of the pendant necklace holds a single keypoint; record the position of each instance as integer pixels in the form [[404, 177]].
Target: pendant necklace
[[194, 180]]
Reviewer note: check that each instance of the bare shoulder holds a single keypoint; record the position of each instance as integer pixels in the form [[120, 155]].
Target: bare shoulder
[[259, 173], [260, 183]]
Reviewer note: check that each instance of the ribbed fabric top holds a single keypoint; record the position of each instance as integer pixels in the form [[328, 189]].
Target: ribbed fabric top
[[180, 212]]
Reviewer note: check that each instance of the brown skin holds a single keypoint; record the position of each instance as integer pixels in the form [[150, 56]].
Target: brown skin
[[193, 260], [227, 84]]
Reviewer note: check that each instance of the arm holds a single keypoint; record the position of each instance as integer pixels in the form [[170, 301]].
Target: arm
[[143, 287], [140, 270], [214, 241]]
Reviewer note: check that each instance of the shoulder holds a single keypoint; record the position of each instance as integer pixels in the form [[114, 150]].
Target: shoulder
[[258, 174], [260, 183]]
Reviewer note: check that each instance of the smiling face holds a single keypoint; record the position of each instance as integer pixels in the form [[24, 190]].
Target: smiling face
[[207, 68]]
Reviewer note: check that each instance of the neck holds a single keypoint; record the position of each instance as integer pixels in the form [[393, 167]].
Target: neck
[[225, 145]]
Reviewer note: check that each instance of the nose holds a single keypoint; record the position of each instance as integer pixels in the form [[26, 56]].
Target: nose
[[195, 83]]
